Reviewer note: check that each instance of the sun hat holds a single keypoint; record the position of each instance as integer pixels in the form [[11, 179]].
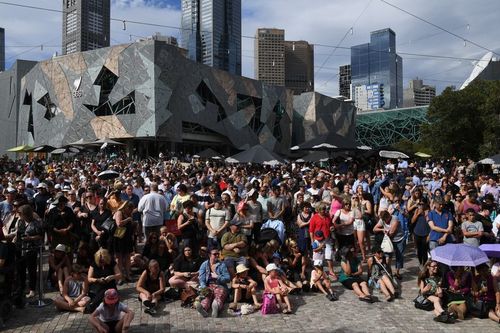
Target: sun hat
[[241, 268]]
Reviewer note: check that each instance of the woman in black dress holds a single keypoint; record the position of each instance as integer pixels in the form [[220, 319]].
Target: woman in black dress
[[122, 239], [99, 237]]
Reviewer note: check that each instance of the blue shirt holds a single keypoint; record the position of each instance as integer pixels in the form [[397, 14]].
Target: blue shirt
[[441, 221]]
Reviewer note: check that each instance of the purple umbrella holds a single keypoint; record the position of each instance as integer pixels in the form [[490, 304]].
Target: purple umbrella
[[459, 255], [491, 250]]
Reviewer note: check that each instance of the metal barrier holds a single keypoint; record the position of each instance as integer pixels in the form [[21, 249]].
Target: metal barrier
[[40, 302]]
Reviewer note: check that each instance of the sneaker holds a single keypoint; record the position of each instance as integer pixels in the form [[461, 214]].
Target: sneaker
[[329, 297], [452, 316], [148, 303], [442, 318], [200, 309], [215, 309], [150, 311], [334, 297]]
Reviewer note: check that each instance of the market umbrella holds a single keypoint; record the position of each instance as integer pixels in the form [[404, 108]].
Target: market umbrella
[[66, 149], [459, 255], [256, 154], [315, 156], [43, 149], [491, 250], [423, 155], [495, 159], [21, 149], [328, 142], [108, 142], [392, 154], [108, 174], [208, 153]]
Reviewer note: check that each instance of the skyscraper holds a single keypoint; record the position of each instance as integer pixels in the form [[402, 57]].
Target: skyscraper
[[377, 63], [86, 25], [299, 66], [270, 56], [2, 49], [418, 94], [211, 32], [345, 81]]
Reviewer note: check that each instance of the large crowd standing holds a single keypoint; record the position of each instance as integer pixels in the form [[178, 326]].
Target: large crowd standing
[[210, 233]]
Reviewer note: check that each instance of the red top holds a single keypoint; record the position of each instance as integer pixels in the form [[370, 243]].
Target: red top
[[320, 223]]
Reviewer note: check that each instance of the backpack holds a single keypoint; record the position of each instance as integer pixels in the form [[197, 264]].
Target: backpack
[[268, 304]]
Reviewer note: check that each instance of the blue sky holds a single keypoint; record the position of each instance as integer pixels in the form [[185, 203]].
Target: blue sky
[[322, 22]]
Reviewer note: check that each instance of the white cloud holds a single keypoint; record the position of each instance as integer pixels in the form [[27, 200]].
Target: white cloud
[[317, 21]]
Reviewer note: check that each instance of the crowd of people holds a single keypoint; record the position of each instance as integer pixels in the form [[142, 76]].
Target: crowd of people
[[211, 233]]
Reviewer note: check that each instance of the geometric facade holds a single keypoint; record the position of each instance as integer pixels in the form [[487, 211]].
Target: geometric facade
[[316, 115], [383, 128], [149, 90]]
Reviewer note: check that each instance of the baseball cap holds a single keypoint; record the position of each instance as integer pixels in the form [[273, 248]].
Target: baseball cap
[[42, 185], [61, 247], [271, 267]]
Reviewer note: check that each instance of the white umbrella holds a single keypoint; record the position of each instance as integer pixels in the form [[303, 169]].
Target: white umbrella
[[65, 150], [495, 159], [392, 154]]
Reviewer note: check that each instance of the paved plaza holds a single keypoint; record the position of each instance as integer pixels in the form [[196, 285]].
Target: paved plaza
[[313, 313]]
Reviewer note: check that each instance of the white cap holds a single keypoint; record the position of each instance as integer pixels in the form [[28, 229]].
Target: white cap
[[61, 247], [271, 267]]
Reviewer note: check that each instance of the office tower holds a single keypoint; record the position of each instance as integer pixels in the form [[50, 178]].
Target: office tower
[[211, 32], [377, 63], [299, 66], [345, 81], [418, 94], [270, 56], [86, 25], [2, 49]]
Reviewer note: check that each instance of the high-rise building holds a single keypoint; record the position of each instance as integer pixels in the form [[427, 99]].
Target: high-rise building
[[299, 66], [86, 25], [377, 63], [418, 94], [2, 49], [211, 32], [270, 56], [345, 81]]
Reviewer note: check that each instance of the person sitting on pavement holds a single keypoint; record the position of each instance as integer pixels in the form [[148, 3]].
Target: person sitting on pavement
[[320, 281], [186, 267], [350, 275], [74, 296], [244, 286], [459, 289], [485, 292], [273, 284], [213, 277], [234, 247], [378, 274], [111, 316], [430, 281], [59, 266], [102, 275], [151, 286]]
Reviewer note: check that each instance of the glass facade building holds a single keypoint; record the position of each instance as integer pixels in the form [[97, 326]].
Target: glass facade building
[[211, 32], [377, 63]]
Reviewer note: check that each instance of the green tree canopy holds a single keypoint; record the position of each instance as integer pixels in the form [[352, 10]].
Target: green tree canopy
[[465, 123]]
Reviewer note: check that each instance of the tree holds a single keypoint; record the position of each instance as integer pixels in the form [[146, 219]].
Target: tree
[[465, 123]]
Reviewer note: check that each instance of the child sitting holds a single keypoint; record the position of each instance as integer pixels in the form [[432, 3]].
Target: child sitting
[[322, 282], [242, 283], [74, 295], [274, 285]]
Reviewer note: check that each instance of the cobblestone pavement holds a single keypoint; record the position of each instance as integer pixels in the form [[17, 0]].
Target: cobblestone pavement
[[314, 313]]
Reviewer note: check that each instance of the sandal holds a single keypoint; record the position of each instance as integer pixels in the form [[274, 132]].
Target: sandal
[[366, 299], [287, 311]]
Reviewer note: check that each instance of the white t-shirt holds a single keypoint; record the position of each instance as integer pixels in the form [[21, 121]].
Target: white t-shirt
[[106, 315], [217, 219]]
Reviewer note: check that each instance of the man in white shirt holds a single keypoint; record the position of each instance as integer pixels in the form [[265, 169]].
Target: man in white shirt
[[153, 207]]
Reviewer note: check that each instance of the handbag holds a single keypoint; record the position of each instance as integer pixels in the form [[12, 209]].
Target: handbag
[[421, 302], [269, 305], [188, 295], [120, 232], [480, 308], [387, 246], [108, 225]]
